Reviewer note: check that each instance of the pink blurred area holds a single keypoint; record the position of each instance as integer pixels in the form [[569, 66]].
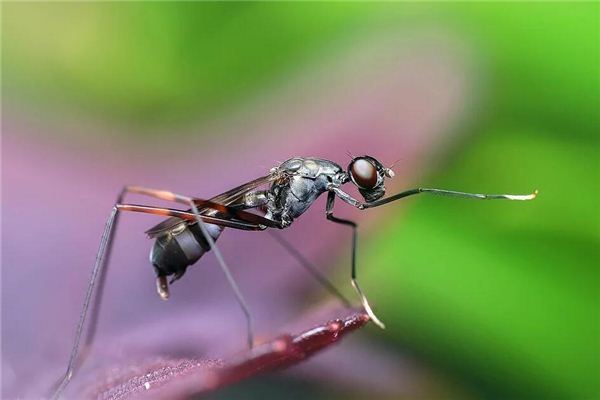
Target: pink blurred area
[[392, 99]]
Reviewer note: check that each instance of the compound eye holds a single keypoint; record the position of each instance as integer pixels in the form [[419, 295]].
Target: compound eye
[[364, 174]]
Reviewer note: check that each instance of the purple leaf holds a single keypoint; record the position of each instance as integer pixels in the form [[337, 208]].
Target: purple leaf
[[184, 378]]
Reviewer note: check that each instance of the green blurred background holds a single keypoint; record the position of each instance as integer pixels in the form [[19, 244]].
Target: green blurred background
[[500, 311]]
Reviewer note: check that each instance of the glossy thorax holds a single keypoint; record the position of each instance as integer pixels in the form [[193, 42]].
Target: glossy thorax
[[304, 180]]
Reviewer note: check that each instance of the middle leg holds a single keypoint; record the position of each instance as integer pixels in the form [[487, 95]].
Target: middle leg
[[310, 268], [363, 298]]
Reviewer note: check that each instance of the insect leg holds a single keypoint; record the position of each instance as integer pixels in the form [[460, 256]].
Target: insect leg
[[96, 272], [440, 192], [99, 270], [363, 298], [194, 203], [451, 193], [230, 278], [314, 271], [95, 312], [161, 194], [224, 210]]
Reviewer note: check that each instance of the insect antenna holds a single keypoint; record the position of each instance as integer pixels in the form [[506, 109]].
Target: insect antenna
[[394, 163]]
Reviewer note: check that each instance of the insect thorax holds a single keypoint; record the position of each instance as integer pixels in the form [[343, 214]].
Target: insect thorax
[[307, 179]]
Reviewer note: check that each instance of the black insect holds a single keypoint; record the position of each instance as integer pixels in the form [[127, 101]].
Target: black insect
[[283, 195]]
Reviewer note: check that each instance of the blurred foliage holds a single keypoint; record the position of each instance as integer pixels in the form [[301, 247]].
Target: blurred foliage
[[508, 291], [504, 296], [507, 294], [145, 63]]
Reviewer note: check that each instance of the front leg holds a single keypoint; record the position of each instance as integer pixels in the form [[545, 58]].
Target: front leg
[[440, 192], [344, 197]]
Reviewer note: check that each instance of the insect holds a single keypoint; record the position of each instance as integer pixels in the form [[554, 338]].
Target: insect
[[283, 195]]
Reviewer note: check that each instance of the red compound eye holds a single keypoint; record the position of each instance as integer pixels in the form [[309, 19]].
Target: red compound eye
[[364, 173]]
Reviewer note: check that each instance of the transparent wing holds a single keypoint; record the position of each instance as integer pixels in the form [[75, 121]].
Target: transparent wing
[[236, 195], [233, 197]]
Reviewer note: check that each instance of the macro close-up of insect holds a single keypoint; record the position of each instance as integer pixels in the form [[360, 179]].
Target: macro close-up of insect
[[281, 200], [293, 186]]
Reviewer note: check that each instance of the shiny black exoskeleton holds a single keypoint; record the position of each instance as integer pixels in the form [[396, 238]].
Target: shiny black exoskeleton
[[296, 184], [179, 247]]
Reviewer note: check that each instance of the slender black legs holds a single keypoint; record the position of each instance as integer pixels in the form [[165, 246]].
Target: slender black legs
[[96, 272], [193, 203], [451, 193], [234, 286], [439, 192], [363, 298], [99, 270], [336, 191], [314, 271]]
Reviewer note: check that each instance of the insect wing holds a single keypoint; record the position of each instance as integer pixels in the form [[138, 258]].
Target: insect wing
[[166, 225], [236, 195], [231, 197]]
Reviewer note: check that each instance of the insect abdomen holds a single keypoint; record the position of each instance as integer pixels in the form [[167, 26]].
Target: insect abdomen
[[179, 248]]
